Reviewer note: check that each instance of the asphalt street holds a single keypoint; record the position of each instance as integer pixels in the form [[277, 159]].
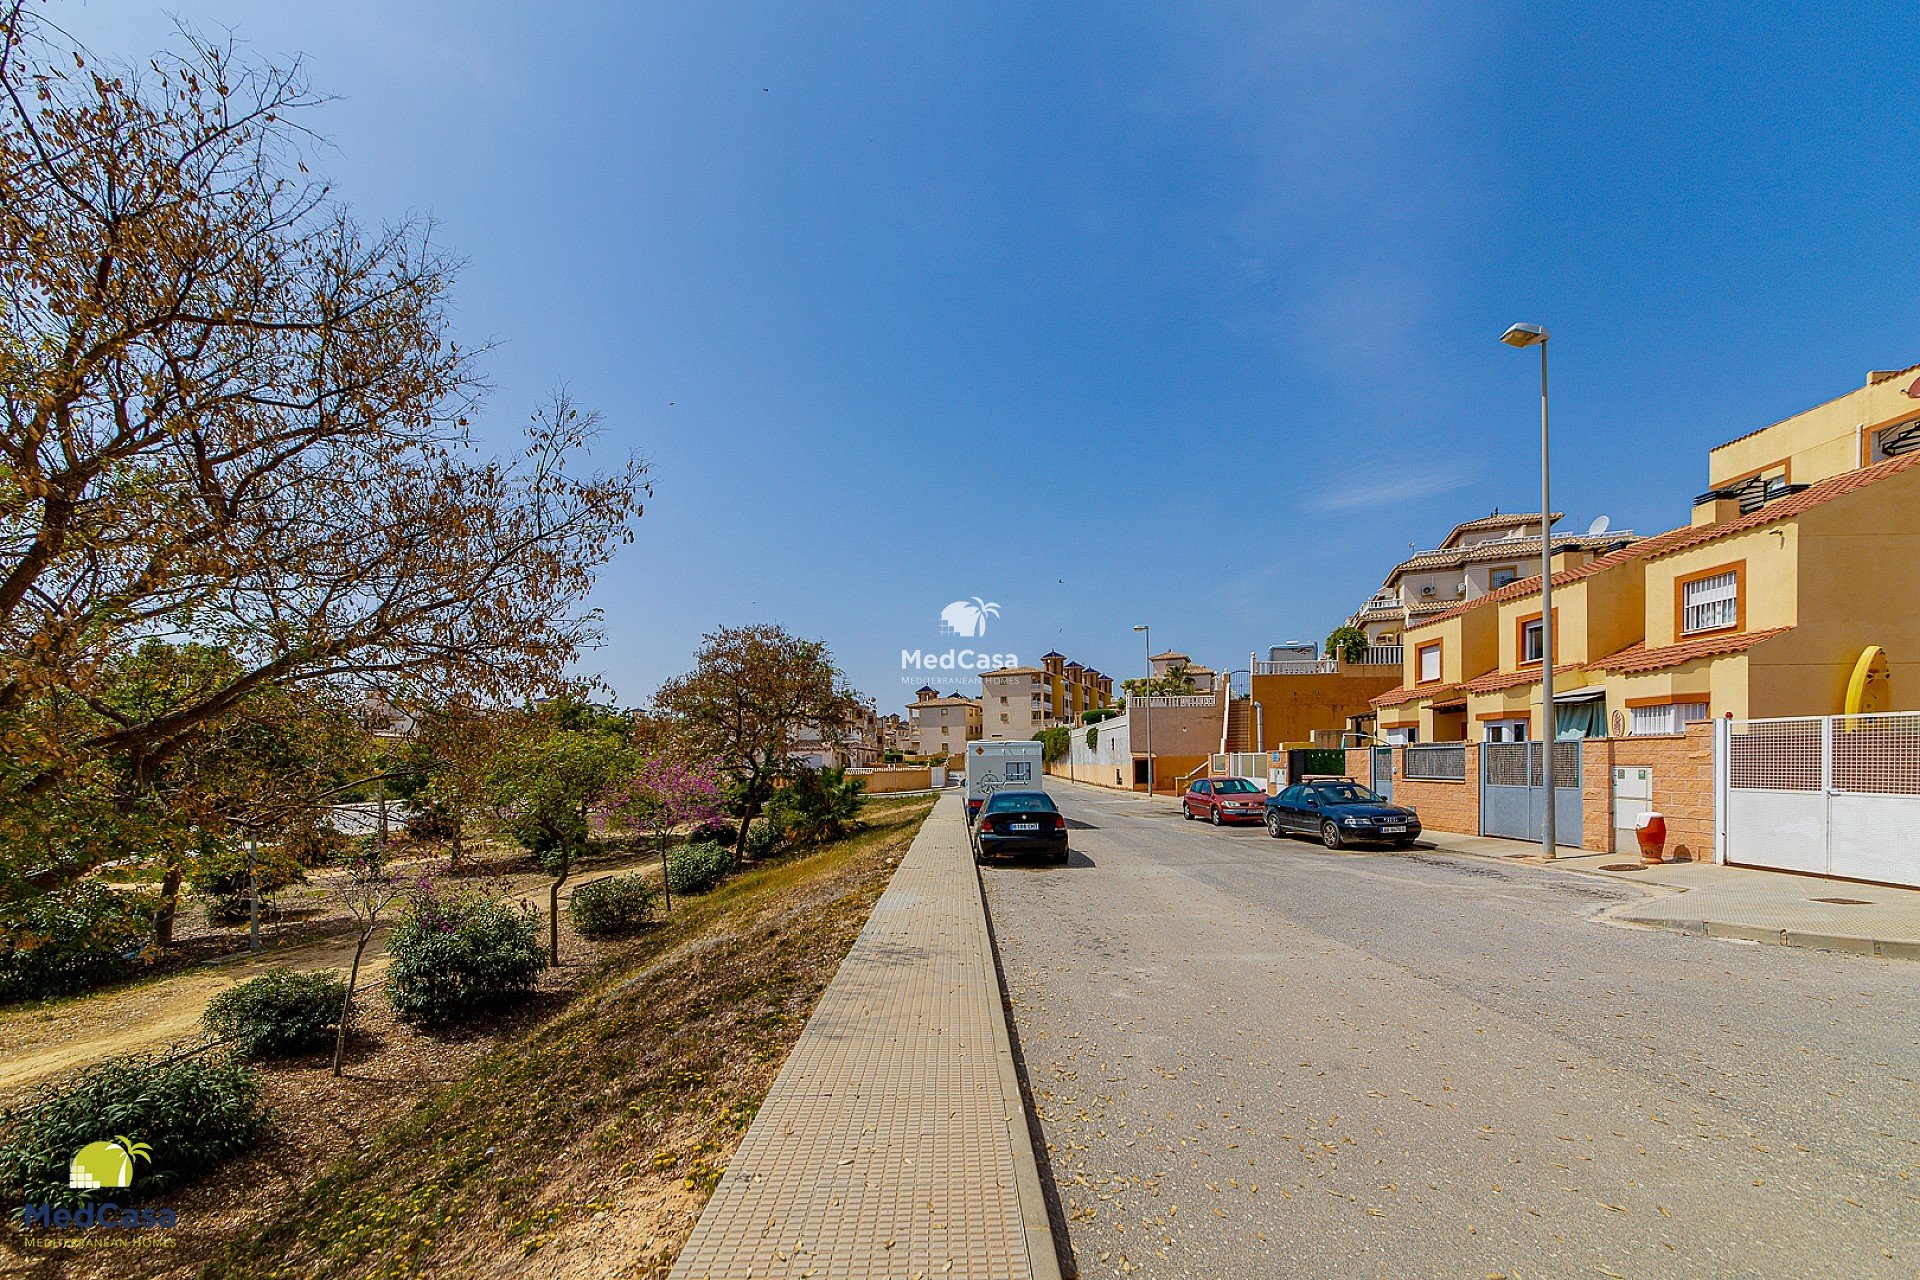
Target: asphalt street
[[1258, 1058]]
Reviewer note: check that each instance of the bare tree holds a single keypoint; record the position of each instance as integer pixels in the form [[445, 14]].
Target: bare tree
[[368, 891], [234, 415]]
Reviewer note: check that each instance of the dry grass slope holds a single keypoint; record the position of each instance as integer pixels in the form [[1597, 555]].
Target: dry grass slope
[[590, 1145]]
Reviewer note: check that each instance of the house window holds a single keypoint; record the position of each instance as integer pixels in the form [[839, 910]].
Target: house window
[[1502, 575], [1400, 735], [1532, 641], [1710, 603], [1428, 659], [1673, 717], [1514, 730]]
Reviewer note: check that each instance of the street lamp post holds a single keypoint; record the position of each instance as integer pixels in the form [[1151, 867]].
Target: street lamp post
[[1532, 335], [1146, 710]]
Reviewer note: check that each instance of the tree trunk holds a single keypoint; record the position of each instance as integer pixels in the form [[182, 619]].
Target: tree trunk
[[553, 912], [169, 903], [253, 900], [346, 1005], [666, 890], [459, 839]]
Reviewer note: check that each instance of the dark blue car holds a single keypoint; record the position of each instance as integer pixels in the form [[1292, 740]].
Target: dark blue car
[[1020, 822], [1340, 812]]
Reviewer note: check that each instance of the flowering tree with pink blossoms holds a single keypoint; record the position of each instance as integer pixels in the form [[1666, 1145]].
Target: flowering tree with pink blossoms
[[665, 793]]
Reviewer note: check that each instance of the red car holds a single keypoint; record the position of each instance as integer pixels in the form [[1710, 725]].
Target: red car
[[1221, 800]]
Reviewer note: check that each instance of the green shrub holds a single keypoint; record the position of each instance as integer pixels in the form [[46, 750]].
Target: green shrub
[[228, 884], [717, 832], [456, 954], [698, 867], [431, 821], [816, 805], [278, 1013], [764, 839], [613, 907], [192, 1114], [76, 937]]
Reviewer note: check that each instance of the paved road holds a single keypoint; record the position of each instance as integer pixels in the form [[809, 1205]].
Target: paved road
[[1256, 1058]]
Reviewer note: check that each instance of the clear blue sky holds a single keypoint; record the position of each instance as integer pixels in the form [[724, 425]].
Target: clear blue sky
[[1179, 314]]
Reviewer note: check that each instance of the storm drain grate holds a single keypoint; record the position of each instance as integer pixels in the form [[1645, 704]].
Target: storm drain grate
[[1843, 902], [1623, 866]]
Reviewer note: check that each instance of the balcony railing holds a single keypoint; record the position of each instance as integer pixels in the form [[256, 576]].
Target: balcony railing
[[1175, 700], [1376, 655]]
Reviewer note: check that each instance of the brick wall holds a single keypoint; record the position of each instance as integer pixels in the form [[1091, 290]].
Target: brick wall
[[1442, 806], [1682, 766]]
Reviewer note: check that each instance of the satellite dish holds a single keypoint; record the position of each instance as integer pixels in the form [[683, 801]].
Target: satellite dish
[[1598, 527]]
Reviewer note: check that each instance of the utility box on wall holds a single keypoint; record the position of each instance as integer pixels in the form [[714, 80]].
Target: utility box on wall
[[1632, 796]]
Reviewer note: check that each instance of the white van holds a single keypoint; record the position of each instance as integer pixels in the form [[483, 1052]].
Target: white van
[[1000, 766]]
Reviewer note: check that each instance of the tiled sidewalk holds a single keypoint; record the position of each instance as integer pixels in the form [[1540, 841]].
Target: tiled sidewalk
[[893, 1143], [1747, 903]]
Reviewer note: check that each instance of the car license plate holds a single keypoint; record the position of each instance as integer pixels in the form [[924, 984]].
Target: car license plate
[[1024, 826], [1394, 830]]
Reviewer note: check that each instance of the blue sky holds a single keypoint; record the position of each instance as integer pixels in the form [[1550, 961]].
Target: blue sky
[[1122, 313]]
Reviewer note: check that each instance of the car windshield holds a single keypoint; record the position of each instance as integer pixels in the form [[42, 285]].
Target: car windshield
[[1344, 793], [1020, 802], [1235, 787]]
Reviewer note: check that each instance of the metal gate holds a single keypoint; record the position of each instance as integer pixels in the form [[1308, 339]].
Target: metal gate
[[1834, 795], [1513, 792], [1383, 771]]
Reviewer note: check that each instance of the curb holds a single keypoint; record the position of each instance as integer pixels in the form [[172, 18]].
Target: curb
[[1850, 944], [1042, 1256]]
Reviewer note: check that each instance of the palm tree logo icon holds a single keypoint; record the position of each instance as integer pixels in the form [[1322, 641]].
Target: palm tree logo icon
[[967, 617], [106, 1164]]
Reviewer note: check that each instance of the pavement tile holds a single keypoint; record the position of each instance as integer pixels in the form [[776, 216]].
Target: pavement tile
[[893, 1141]]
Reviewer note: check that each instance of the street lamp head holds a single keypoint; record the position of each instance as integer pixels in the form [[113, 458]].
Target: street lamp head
[[1139, 628], [1523, 335]]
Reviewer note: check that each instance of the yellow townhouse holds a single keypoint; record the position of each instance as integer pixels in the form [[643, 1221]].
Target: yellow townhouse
[[1796, 583]]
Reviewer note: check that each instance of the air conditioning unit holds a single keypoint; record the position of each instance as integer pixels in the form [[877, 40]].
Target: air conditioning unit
[[1426, 591]]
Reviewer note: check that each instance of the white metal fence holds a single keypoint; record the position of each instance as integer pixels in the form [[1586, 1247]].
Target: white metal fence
[[1835, 795]]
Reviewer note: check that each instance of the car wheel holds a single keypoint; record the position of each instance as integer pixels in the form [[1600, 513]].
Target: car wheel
[[1330, 834], [1063, 857], [1273, 825], [1215, 817], [1186, 812]]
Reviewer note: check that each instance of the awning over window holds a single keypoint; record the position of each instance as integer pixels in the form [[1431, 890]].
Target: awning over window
[[1580, 695]]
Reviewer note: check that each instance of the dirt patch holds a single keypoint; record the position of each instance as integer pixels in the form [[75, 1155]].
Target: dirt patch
[[579, 1136]]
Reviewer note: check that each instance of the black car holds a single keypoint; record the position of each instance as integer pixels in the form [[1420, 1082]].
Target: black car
[[1340, 811], [1020, 822]]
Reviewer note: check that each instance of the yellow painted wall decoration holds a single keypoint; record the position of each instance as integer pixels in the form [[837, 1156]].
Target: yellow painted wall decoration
[[1868, 686]]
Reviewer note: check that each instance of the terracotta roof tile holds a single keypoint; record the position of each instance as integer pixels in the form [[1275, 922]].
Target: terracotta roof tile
[[1687, 537], [1637, 657], [1498, 520], [1394, 697], [1494, 681]]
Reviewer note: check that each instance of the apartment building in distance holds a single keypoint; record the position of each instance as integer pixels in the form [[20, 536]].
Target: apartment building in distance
[[941, 724], [1018, 702], [1478, 558]]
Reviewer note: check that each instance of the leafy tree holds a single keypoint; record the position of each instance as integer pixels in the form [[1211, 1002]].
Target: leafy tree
[[443, 771], [235, 416], [753, 693], [663, 794], [544, 782], [1347, 643], [1176, 680]]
